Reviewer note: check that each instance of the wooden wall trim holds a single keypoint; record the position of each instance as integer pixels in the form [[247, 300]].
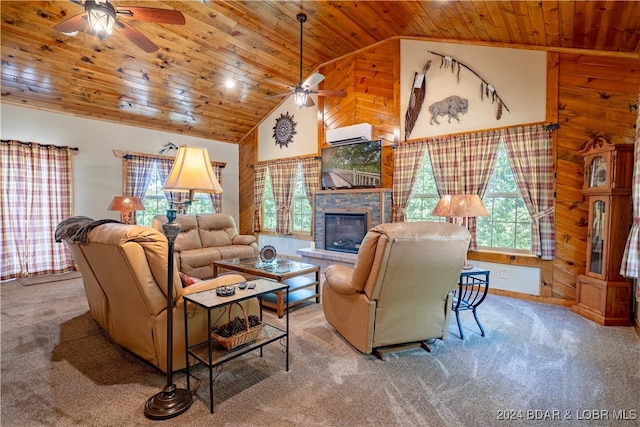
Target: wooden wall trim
[[589, 52]]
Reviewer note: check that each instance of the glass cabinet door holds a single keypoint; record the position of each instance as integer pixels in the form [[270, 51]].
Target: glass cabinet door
[[597, 172], [597, 236]]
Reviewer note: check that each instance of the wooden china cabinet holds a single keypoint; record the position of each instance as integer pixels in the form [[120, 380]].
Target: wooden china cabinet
[[602, 294]]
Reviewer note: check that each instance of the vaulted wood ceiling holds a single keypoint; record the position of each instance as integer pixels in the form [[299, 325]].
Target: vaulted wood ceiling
[[181, 87]]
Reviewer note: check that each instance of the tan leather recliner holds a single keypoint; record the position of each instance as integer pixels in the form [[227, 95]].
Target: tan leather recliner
[[124, 270], [205, 238], [399, 290]]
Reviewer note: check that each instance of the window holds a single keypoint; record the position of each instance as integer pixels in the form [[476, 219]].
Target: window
[[36, 193], [269, 211], [509, 225], [300, 207], [425, 195], [155, 202]]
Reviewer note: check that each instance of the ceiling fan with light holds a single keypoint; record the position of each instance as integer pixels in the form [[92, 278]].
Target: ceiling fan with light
[[302, 90], [100, 18]]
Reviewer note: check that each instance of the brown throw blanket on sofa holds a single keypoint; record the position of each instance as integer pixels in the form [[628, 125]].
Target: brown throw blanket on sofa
[[76, 229]]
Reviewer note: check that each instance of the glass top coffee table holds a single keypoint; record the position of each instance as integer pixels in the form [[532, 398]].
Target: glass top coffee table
[[303, 279]]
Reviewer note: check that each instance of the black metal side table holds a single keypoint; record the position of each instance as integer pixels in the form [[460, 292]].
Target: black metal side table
[[472, 290], [212, 356]]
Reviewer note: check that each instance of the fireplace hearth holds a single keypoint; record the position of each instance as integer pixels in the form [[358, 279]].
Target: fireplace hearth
[[343, 232]]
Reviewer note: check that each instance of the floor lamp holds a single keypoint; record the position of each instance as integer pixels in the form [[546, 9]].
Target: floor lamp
[[463, 206], [191, 172]]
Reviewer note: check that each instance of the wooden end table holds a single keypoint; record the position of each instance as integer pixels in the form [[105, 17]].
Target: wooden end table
[[295, 274]]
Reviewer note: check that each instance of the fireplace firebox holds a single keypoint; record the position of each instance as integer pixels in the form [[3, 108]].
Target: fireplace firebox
[[344, 231]]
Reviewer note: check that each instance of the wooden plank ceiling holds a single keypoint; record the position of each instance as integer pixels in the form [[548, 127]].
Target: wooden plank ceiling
[[181, 87]]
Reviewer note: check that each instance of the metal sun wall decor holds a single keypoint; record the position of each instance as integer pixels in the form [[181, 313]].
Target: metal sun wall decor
[[284, 130]]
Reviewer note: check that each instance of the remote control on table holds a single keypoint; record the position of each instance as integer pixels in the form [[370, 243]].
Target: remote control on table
[[242, 285]]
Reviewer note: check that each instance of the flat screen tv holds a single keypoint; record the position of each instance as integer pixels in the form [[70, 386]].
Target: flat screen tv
[[354, 165]]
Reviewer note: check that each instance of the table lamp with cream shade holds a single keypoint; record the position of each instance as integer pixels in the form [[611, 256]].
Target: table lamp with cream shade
[[191, 172], [126, 205], [463, 206]]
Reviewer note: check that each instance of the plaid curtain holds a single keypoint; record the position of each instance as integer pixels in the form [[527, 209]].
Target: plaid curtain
[[311, 176], [138, 176], [463, 164], [631, 258], [283, 176], [36, 195], [407, 163], [260, 173], [216, 198], [530, 153], [164, 168]]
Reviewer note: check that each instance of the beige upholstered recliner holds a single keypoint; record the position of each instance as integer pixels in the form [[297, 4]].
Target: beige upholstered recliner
[[399, 290], [125, 271]]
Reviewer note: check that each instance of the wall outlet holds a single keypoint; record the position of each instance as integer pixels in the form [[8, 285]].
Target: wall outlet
[[503, 273]]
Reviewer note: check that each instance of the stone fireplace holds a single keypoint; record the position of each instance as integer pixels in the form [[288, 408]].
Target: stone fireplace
[[374, 203]]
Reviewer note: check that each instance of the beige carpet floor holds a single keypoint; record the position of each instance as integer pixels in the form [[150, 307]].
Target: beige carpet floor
[[59, 368], [48, 278]]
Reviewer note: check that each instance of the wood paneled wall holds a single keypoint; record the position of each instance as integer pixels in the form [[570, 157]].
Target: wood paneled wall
[[248, 154], [595, 95], [587, 94], [371, 79]]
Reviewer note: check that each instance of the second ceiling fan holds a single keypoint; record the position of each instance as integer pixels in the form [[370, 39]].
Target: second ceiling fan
[[303, 89], [100, 18]]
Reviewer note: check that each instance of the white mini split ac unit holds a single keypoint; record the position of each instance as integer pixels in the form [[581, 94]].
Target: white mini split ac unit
[[349, 134]]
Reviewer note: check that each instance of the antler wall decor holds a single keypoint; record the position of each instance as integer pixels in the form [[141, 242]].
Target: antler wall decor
[[486, 89]]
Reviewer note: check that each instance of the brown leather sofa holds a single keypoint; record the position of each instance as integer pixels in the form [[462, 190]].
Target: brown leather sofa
[[124, 271], [399, 290], [205, 238]]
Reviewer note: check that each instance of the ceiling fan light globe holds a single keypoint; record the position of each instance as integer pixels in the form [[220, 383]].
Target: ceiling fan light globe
[[102, 18], [300, 99]]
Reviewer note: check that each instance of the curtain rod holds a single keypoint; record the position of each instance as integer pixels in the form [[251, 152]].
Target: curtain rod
[[548, 127], [59, 147], [128, 154]]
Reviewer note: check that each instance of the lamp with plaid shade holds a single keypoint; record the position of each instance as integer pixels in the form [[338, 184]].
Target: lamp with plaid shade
[[463, 206], [126, 205]]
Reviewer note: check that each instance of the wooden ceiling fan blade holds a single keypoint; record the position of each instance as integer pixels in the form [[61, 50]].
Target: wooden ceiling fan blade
[[75, 23], [153, 14], [313, 80], [137, 37], [329, 92], [277, 83], [282, 95]]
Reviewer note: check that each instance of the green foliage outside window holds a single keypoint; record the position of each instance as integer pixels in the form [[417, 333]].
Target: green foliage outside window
[[508, 226], [269, 211], [155, 202], [300, 207], [425, 195]]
